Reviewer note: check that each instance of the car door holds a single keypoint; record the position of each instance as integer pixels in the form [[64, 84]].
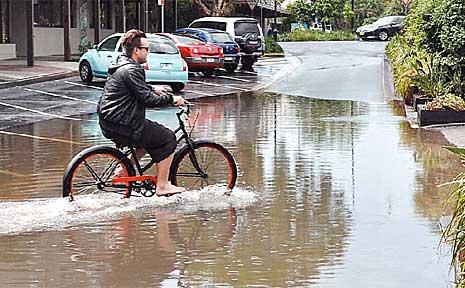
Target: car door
[[106, 53]]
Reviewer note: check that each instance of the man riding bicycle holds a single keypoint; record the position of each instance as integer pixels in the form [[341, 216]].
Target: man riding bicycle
[[122, 106]]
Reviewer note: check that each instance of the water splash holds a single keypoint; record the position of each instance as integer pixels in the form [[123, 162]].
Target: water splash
[[59, 213]]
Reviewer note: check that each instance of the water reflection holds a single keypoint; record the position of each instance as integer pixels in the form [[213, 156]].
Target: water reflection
[[341, 186]]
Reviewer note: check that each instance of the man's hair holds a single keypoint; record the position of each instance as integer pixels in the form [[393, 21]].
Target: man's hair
[[131, 40]]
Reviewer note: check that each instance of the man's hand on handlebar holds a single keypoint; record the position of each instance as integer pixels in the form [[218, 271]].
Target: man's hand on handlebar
[[179, 101]]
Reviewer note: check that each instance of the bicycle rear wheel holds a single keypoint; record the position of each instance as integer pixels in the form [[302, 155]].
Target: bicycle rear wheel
[[92, 171], [216, 165]]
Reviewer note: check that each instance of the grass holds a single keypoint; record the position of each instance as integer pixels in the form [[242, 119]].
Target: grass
[[312, 35]]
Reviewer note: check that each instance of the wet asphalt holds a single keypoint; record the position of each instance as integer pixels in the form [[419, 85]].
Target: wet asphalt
[[68, 98]]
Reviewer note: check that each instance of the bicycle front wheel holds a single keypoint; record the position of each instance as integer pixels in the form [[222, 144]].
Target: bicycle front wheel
[[216, 166], [93, 170]]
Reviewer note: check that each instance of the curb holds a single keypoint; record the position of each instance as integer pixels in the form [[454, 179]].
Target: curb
[[38, 79], [294, 63]]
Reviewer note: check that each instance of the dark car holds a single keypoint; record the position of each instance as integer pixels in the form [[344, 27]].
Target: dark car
[[220, 38], [382, 29]]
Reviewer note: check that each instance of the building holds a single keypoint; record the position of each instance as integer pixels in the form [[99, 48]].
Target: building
[[31, 28]]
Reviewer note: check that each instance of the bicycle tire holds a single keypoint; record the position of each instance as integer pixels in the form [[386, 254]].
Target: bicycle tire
[[215, 160], [101, 161]]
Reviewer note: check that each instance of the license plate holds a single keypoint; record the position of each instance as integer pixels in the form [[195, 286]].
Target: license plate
[[166, 66], [253, 42], [228, 58], [210, 60], [361, 33]]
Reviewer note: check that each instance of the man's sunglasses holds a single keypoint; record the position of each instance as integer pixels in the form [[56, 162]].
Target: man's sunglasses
[[144, 47]]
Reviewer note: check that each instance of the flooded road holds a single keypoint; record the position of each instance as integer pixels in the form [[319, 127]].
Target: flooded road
[[330, 194]]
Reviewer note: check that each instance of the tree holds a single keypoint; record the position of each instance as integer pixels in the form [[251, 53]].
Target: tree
[[215, 7], [301, 11]]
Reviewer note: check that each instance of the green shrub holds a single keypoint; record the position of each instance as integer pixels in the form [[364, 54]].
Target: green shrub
[[312, 35], [273, 48], [446, 102]]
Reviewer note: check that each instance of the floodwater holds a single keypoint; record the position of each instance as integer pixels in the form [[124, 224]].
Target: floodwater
[[331, 194]]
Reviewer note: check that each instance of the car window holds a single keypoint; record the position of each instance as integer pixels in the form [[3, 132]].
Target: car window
[[384, 21], [398, 20], [162, 46], [110, 44], [187, 40], [209, 24], [243, 27], [220, 38]]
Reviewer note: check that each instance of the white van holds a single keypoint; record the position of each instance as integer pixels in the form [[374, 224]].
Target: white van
[[246, 32]]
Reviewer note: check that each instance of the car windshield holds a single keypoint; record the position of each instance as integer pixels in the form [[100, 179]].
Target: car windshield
[[384, 21], [220, 38], [188, 40], [209, 24], [162, 45], [244, 27]]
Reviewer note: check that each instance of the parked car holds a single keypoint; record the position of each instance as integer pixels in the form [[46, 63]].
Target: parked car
[[220, 38], [382, 29], [164, 62], [199, 56], [246, 32]]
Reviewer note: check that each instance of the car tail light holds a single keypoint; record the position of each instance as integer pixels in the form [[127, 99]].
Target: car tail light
[[221, 50], [184, 66], [146, 66], [238, 49]]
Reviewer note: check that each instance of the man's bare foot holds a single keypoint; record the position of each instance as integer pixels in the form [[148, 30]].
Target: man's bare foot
[[169, 189]]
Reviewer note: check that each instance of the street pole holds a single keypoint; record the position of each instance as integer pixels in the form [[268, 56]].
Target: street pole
[[352, 18], [146, 18], [275, 29], [66, 44], [175, 14], [30, 35], [163, 19]]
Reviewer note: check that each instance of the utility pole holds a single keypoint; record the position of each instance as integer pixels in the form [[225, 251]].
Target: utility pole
[[66, 25]]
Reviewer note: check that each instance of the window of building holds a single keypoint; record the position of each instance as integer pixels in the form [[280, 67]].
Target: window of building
[[49, 13], [105, 15]]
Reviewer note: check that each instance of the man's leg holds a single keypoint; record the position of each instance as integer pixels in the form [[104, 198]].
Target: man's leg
[[164, 187]]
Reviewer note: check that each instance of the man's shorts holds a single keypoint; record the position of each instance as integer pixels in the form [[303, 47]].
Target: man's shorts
[[159, 141]]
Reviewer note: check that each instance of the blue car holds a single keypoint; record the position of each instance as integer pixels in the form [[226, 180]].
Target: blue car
[[164, 62], [220, 38]]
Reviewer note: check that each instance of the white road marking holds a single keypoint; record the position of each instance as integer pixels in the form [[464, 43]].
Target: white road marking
[[239, 79], [41, 138], [256, 73], [199, 93], [218, 85], [44, 113], [60, 96], [83, 85]]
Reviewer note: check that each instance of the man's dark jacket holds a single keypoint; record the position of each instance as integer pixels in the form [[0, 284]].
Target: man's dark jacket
[[121, 108]]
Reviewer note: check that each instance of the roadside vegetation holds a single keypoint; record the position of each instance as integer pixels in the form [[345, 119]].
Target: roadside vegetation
[[339, 15], [273, 49], [315, 35], [428, 60]]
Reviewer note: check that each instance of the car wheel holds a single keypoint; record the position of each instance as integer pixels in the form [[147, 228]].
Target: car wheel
[[176, 87], [208, 73], [85, 72], [383, 35], [230, 67]]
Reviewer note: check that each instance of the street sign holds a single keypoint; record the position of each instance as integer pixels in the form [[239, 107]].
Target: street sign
[[252, 3], [161, 2]]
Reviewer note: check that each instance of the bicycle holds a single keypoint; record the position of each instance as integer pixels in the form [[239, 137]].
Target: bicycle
[[197, 164]]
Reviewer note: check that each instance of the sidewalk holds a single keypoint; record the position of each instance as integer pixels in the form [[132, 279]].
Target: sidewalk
[[15, 72]]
